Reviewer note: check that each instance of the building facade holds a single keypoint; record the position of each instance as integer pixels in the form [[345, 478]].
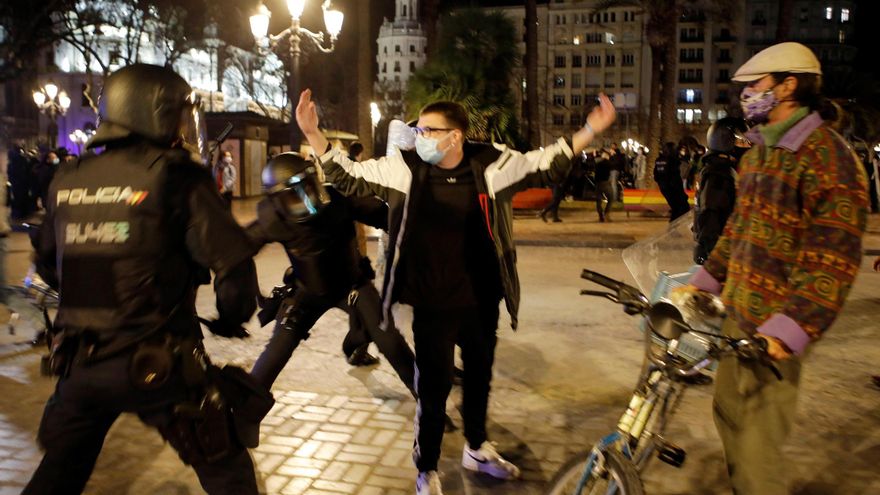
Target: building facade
[[826, 26], [402, 50], [582, 52]]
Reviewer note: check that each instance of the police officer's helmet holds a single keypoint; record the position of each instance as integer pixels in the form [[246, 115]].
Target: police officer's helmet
[[296, 186], [725, 133], [154, 103]]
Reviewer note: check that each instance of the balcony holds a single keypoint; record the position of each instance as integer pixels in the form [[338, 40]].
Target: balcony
[[690, 60], [692, 39], [690, 80], [724, 38], [694, 101], [724, 60]]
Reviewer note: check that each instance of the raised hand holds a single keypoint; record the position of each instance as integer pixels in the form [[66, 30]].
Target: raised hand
[[603, 115], [307, 113]]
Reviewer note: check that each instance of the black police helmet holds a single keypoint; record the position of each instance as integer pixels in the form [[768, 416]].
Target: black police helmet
[[295, 185], [723, 134], [152, 102]]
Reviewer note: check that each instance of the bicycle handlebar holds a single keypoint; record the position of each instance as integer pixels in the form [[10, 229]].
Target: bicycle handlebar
[[600, 279], [634, 301], [749, 349]]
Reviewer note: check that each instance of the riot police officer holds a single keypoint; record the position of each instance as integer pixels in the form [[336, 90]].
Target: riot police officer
[[316, 226], [716, 190], [128, 236]]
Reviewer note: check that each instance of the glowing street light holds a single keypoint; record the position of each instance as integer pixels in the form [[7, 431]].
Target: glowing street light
[[294, 34], [52, 102]]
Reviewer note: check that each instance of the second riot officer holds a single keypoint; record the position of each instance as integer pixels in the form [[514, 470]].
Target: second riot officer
[[316, 226], [127, 234]]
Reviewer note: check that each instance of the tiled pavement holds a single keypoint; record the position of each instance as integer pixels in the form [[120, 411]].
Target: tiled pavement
[[560, 383], [312, 444]]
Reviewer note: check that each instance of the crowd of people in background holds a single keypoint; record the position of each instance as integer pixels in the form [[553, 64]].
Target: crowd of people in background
[[29, 174]]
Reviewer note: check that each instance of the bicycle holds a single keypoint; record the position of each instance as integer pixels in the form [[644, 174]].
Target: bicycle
[[613, 465], [31, 301]]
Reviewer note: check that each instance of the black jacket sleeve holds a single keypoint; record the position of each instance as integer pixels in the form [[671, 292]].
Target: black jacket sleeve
[[371, 211], [216, 241], [716, 200]]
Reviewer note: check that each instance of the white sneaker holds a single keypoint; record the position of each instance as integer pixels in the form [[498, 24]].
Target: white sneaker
[[428, 483], [487, 460]]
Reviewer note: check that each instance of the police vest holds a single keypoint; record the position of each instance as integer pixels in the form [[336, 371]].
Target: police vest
[[122, 261]]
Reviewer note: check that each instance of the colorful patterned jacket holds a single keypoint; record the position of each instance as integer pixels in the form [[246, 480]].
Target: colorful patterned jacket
[[791, 250]]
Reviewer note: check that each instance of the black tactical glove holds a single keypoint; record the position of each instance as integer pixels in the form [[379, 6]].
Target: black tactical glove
[[223, 329]]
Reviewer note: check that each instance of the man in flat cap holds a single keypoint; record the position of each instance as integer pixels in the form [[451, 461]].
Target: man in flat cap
[[786, 260]]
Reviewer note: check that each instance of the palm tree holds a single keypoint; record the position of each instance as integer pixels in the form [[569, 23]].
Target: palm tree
[[472, 64], [661, 21]]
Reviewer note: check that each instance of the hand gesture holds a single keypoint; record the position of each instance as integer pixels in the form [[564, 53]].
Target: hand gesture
[[601, 117], [777, 350], [307, 113]]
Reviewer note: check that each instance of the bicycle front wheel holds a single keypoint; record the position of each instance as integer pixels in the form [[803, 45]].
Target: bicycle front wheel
[[613, 474]]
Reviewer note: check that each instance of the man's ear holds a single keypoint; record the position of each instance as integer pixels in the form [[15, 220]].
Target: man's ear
[[788, 86]]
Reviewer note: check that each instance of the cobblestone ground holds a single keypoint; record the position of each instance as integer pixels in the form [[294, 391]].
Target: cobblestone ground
[[560, 383]]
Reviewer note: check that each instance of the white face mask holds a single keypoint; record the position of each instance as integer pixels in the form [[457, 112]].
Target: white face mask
[[227, 159], [427, 148]]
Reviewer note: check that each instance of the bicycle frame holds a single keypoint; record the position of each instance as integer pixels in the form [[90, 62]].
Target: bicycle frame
[[600, 446]]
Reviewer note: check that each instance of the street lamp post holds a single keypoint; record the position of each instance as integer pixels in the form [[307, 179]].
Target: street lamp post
[[294, 35], [52, 102]]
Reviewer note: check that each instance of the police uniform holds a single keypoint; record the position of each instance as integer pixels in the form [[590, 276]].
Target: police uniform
[[316, 226], [127, 236]]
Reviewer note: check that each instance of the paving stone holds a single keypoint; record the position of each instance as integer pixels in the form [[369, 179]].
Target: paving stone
[[386, 482], [363, 435], [275, 483], [335, 471], [328, 450], [363, 449], [357, 473], [335, 486], [326, 436], [296, 486]]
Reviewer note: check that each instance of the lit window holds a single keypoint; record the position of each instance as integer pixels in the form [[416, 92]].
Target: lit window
[[829, 13], [689, 95], [576, 40], [609, 38], [841, 36], [844, 15], [680, 115], [689, 116]]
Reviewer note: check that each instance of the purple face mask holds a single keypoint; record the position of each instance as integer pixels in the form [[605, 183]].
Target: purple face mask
[[757, 105]]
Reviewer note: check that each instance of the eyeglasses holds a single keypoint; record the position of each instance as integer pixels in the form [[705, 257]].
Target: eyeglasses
[[424, 131]]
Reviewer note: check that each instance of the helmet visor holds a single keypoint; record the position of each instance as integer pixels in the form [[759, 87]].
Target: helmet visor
[[193, 130], [303, 197]]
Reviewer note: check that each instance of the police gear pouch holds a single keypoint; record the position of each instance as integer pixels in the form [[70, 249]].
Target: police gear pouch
[[151, 366]]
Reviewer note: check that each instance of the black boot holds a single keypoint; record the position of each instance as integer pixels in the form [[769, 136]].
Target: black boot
[[360, 357]]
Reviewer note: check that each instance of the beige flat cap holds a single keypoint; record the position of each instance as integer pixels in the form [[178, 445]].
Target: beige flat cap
[[784, 57]]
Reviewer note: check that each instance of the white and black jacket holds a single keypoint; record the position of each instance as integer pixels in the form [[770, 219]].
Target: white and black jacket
[[499, 172]]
